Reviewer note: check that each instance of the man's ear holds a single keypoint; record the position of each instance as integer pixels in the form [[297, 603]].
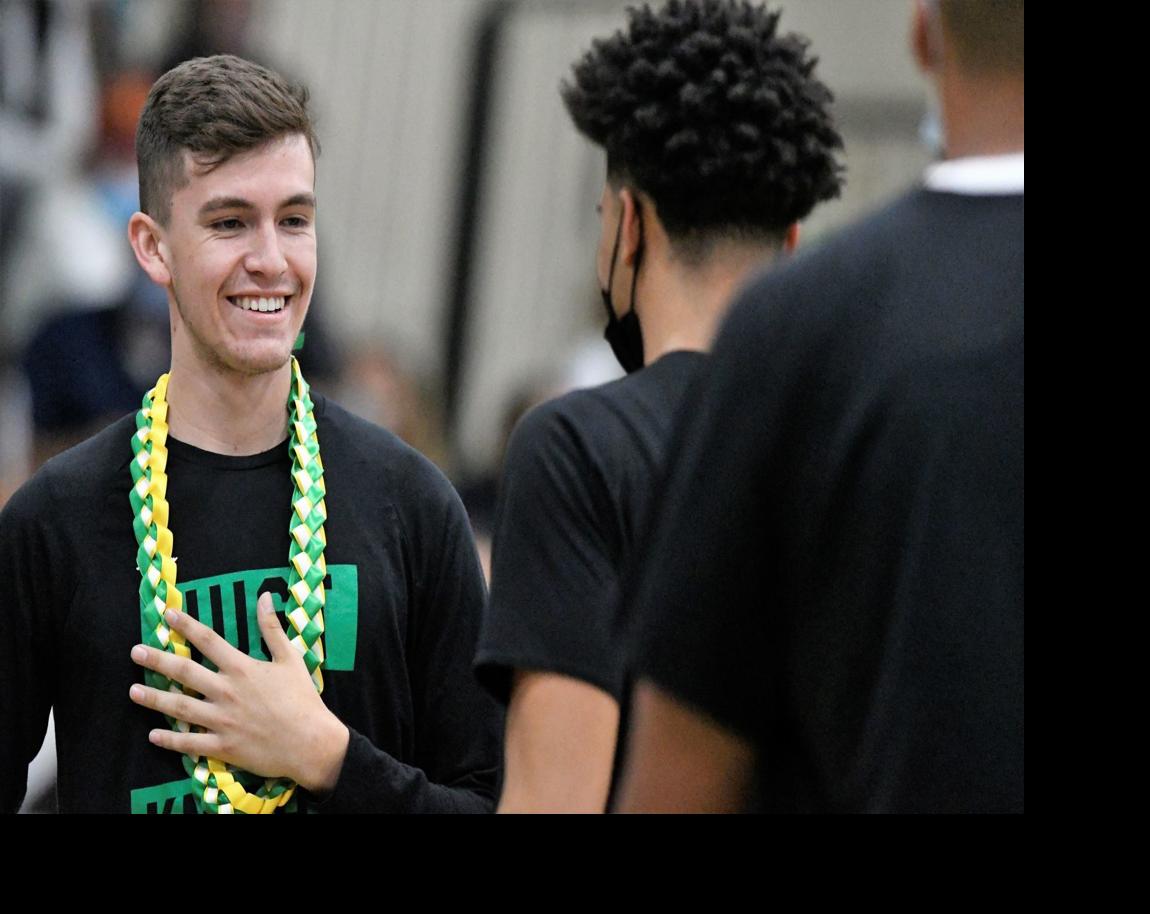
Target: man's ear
[[148, 245], [631, 233], [923, 44], [791, 238]]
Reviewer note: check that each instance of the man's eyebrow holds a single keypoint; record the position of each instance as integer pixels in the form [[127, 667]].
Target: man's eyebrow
[[221, 203], [299, 200], [218, 203]]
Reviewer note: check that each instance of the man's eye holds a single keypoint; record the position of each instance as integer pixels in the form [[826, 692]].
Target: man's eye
[[296, 222], [227, 225]]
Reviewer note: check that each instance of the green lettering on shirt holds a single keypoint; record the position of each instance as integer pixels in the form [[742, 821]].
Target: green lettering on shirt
[[177, 798], [227, 604]]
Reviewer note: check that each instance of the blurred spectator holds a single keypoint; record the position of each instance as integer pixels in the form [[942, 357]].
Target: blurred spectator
[[47, 114], [375, 385], [480, 492], [587, 363], [102, 333], [209, 27]]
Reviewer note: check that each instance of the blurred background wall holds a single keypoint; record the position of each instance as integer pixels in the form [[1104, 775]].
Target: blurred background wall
[[456, 222], [457, 203]]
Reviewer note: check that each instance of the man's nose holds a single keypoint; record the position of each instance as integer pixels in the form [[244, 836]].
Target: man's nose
[[265, 256]]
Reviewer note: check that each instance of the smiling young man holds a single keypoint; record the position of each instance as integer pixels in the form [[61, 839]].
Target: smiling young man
[[175, 539]]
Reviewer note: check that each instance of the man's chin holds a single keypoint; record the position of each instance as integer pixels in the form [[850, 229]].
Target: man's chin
[[265, 364], [251, 362]]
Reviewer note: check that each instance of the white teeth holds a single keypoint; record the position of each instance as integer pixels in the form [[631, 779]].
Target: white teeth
[[260, 304]]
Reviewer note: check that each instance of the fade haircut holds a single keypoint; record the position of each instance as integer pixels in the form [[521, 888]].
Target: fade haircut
[[714, 115], [987, 35], [213, 108]]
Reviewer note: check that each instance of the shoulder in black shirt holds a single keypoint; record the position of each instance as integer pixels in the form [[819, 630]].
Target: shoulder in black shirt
[[404, 597], [839, 574], [581, 476]]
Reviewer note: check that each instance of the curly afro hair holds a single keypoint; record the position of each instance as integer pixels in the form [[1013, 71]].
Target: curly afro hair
[[704, 107]]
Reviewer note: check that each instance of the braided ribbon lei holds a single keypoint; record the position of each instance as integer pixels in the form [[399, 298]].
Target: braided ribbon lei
[[227, 788]]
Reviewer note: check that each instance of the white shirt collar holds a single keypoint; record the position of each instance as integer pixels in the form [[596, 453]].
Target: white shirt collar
[[979, 175]]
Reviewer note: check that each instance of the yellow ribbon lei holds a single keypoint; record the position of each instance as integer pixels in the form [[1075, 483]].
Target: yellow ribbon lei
[[227, 788]]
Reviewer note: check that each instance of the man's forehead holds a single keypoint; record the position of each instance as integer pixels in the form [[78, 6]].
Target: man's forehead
[[277, 146], [268, 175]]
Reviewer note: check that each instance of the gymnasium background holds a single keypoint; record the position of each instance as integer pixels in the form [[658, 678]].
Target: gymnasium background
[[456, 219]]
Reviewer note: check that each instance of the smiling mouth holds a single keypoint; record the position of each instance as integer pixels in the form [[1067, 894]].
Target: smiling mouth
[[270, 304]]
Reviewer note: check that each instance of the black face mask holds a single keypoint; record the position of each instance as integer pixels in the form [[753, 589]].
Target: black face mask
[[624, 333]]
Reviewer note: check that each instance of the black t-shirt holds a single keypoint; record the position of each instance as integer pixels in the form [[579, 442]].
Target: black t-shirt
[[839, 572], [581, 476], [404, 598]]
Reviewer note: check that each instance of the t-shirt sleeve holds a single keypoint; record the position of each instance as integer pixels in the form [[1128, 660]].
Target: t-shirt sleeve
[[699, 628], [554, 581], [28, 596], [457, 727]]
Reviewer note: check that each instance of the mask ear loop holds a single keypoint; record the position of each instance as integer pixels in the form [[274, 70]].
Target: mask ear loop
[[638, 253], [611, 271]]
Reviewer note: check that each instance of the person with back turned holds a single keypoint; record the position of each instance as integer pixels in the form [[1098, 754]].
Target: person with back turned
[[832, 608], [718, 141]]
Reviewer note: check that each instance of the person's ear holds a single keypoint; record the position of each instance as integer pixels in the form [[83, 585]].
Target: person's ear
[[631, 233], [147, 240], [923, 46], [791, 238]]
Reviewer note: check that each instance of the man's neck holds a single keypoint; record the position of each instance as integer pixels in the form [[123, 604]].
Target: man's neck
[[225, 412], [982, 117], [682, 307]]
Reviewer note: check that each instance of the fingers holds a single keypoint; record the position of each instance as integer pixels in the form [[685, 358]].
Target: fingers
[[191, 674], [211, 645], [177, 705], [277, 641], [193, 744]]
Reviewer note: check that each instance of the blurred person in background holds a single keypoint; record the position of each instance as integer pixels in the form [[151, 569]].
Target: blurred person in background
[[102, 336], [206, 27], [382, 589], [375, 384], [718, 141], [480, 494], [48, 113], [832, 607]]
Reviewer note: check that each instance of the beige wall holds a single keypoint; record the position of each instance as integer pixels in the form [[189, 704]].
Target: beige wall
[[390, 79]]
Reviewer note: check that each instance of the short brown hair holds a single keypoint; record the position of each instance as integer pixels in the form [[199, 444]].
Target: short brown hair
[[987, 35], [214, 108]]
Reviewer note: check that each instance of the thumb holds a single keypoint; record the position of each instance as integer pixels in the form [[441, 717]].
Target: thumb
[[270, 628]]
